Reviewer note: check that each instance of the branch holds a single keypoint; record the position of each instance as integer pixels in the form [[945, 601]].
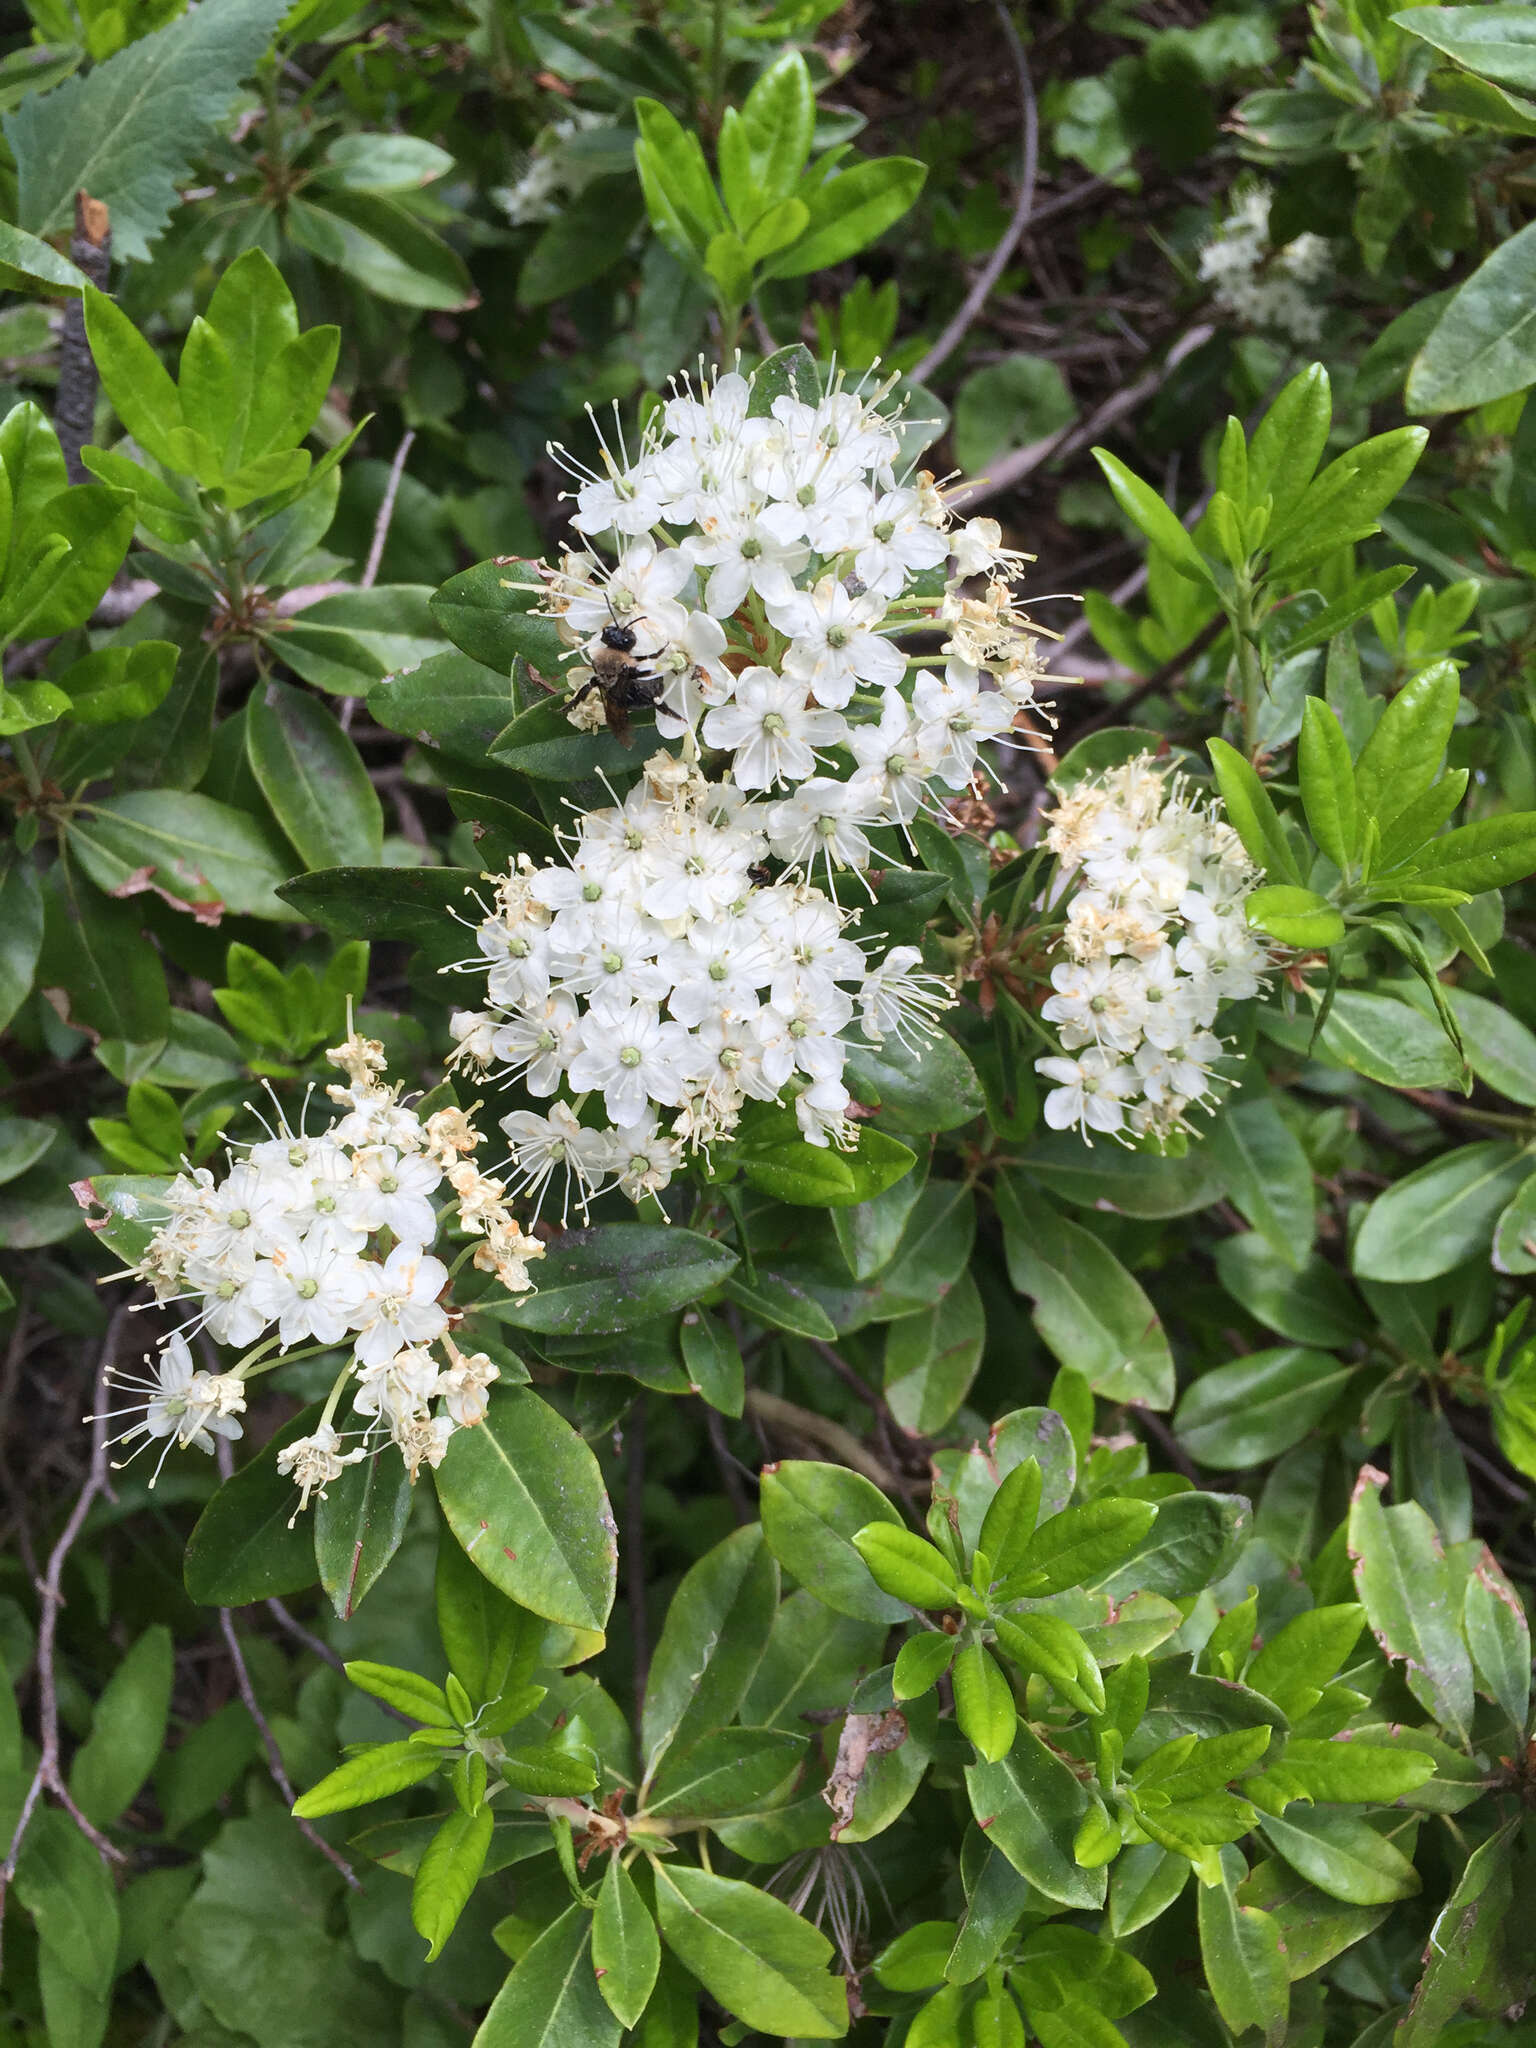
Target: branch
[[997, 262], [275, 1769], [47, 1776], [1160, 678], [1012, 468], [74, 409], [792, 1420], [386, 510]]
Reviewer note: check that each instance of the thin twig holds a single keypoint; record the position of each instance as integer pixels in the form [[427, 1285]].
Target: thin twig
[[997, 262], [634, 1542], [730, 1466], [312, 1643], [1160, 678], [1155, 1426], [386, 510], [275, 1766], [15, 1352], [789, 1418], [47, 1776], [1012, 468]]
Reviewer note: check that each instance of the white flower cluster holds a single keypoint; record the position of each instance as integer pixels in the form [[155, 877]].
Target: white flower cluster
[[321, 1240], [683, 960], [659, 970], [1156, 941], [551, 175], [1262, 286]]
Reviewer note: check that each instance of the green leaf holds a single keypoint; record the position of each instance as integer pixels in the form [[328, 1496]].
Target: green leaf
[[1354, 1772], [1190, 1545], [1081, 1544], [931, 1088], [1441, 1214], [127, 1731], [131, 128], [850, 210], [1400, 760], [1488, 854], [684, 206], [456, 703], [1268, 1175], [65, 1886], [712, 1359], [1412, 1595], [1343, 1856], [489, 1641], [1258, 1406], [359, 1525], [542, 743], [1500, 1049], [1328, 783], [39, 262], [97, 522], [1308, 1304], [524, 1496], [1478, 1952], [984, 1704], [112, 685], [1483, 346], [778, 117], [407, 1690], [386, 903], [313, 777], [249, 1542], [1499, 1637], [1384, 1039], [613, 1276], [762, 1962], [1251, 812], [811, 1514], [716, 1630], [931, 1358], [1088, 1308], [1496, 42], [447, 1874], [732, 1771], [920, 1663], [906, 1566], [553, 1998], [200, 852], [1289, 442], [1243, 1955], [382, 1769], [1297, 917], [586, 238], [1009, 404], [626, 1954], [1147, 512], [21, 929], [1031, 1806]]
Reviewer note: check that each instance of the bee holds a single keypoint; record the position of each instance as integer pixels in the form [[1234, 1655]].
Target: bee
[[624, 681]]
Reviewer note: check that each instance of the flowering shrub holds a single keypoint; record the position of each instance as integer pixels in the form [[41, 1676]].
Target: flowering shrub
[[808, 1086]]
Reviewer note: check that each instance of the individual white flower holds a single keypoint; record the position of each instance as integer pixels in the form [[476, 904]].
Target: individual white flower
[[643, 586], [464, 1387], [1090, 1093], [312, 1291], [634, 1058], [822, 1114], [747, 550], [391, 1193], [400, 1305], [900, 540], [898, 1000], [398, 1387], [895, 762], [696, 676], [833, 645], [644, 1158], [184, 1406], [770, 729], [541, 1144], [538, 1042], [823, 821], [312, 1462]]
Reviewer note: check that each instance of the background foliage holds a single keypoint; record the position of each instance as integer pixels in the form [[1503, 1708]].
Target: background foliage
[[1249, 1430]]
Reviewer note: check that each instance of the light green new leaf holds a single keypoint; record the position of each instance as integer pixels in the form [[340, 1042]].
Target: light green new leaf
[[381, 1770], [447, 1874], [1342, 1855], [1328, 783], [1146, 510], [850, 210], [811, 1514]]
